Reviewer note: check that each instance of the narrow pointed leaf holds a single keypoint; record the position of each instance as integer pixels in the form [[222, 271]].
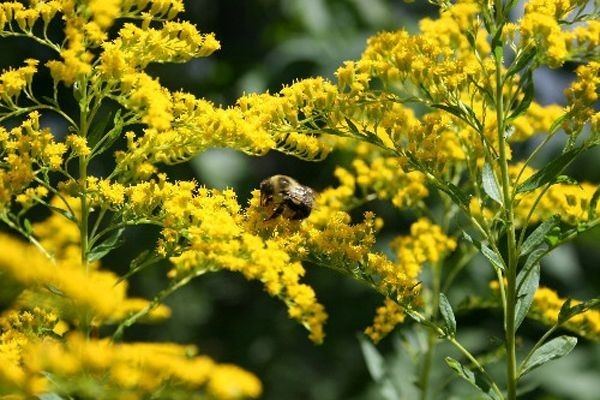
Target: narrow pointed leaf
[[490, 184], [556, 348], [488, 253], [528, 281], [377, 368], [538, 236], [447, 315], [110, 243], [550, 172], [594, 204], [474, 377], [374, 360], [568, 311], [529, 92]]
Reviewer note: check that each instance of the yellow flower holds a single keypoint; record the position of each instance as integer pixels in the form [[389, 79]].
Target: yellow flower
[[582, 95], [26, 148], [547, 304], [426, 243], [570, 202], [13, 82], [140, 369], [388, 316], [537, 119], [78, 145]]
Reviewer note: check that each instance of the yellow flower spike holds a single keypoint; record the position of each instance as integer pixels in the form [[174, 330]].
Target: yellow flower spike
[[246, 384], [582, 96], [142, 367], [547, 305], [13, 82], [426, 244], [569, 201], [78, 145], [387, 317], [26, 147], [104, 12]]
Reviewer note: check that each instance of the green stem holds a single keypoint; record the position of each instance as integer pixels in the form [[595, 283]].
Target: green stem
[[6, 219], [511, 264], [477, 365], [83, 224], [418, 317], [158, 299], [431, 335]]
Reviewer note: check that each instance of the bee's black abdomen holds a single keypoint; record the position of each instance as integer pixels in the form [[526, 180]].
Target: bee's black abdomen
[[298, 210]]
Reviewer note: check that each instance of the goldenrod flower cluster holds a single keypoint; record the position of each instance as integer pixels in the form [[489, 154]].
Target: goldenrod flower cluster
[[546, 307], [34, 362], [426, 243], [385, 177], [457, 142], [52, 298], [583, 94], [570, 201], [537, 119], [388, 316], [15, 81], [26, 149], [542, 26], [547, 304]]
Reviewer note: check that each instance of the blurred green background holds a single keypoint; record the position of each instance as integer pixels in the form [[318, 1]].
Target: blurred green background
[[267, 43]]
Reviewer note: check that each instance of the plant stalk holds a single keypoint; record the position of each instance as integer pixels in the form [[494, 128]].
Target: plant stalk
[[511, 264], [431, 335]]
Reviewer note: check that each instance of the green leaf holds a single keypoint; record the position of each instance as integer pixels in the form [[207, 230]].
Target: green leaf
[[528, 281], [455, 194], [528, 88], [475, 378], [447, 316], [567, 311], [50, 396], [566, 179], [54, 290], [142, 261], [496, 42], [98, 128], [27, 226], [550, 172], [353, 127], [521, 62], [374, 360], [377, 369], [418, 318], [593, 204], [110, 243], [112, 135], [556, 348], [490, 184], [538, 235], [488, 253], [471, 39]]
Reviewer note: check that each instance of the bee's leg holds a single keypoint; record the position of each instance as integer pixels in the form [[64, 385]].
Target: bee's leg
[[278, 211]]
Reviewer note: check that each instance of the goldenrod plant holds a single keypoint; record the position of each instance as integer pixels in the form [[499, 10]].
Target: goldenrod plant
[[428, 116]]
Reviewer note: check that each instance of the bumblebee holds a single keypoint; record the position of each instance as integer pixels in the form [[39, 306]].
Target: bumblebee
[[283, 196]]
